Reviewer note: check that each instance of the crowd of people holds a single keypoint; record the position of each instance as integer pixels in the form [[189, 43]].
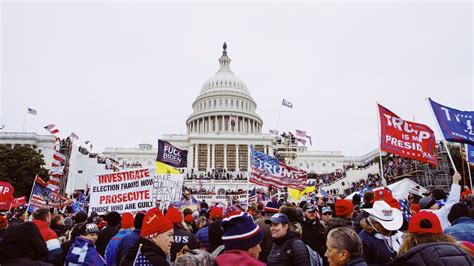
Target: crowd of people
[[376, 229], [212, 191], [372, 181], [216, 174]]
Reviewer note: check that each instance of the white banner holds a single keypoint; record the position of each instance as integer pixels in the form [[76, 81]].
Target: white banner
[[169, 188], [125, 191]]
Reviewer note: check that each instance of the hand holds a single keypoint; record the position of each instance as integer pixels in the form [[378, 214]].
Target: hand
[[456, 178]]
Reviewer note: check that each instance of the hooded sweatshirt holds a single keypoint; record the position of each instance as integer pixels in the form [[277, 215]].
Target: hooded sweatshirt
[[237, 257]]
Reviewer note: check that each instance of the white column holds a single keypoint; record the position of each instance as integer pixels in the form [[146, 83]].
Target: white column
[[208, 159], [237, 125], [225, 156], [265, 149], [196, 166], [213, 156], [222, 124], [237, 157], [215, 124], [249, 153], [270, 150], [209, 125], [190, 156]]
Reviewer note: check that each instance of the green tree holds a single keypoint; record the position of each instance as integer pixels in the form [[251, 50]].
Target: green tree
[[19, 165], [460, 162]]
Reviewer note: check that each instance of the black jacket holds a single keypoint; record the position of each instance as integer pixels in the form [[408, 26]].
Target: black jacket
[[313, 236], [182, 238], [152, 253], [434, 254], [104, 238], [289, 250]]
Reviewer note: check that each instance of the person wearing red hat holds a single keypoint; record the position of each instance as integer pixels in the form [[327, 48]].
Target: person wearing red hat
[[154, 244], [182, 237], [344, 208], [112, 251], [425, 244]]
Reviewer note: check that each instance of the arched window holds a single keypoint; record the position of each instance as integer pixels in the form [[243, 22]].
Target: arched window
[[226, 102], [231, 103], [215, 103]]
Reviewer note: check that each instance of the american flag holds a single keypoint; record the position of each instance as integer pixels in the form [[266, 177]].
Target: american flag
[[32, 111], [274, 131], [300, 133], [73, 136], [267, 171], [287, 103], [405, 209], [51, 129], [253, 196], [140, 259]]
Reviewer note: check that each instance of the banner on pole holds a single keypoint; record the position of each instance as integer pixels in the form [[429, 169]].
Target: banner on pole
[[169, 188], [18, 202], [470, 153], [407, 139], [455, 125], [125, 191], [171, 155]]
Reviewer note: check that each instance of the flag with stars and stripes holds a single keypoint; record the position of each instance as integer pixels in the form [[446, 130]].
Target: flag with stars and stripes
[[405, 209], [140, 259]]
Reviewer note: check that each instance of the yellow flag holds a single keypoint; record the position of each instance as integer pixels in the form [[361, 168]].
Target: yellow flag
[[162, 168], [297, 194]]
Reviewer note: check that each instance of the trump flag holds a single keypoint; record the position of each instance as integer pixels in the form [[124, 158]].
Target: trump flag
[[456, 126], [407, 139]]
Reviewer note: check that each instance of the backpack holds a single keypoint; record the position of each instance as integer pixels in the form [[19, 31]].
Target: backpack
[[314, 257]]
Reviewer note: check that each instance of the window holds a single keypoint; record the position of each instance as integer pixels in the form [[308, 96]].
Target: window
[[226, 103], [79, 172], [215, 103], [231, 103], [324, 164]]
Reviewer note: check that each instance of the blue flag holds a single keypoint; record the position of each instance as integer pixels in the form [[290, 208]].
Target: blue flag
[[456, 126], [470, 153]]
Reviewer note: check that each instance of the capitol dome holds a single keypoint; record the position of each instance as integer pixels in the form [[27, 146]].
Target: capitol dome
[[224, 104]]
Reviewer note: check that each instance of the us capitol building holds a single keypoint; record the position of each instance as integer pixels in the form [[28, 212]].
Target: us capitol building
[[224, 125]]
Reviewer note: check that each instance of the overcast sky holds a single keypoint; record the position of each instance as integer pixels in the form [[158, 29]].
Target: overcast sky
[[120, 74]]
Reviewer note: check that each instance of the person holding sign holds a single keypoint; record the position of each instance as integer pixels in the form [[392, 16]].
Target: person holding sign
[[154, 243]]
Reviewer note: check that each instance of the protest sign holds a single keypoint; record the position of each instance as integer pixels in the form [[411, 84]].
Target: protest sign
[[125, 191], [168, 189], [18, 202]]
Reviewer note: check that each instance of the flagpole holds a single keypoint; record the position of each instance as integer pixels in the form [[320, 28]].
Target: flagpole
[[443, 140], [384, 182], [31, 193], [278, 120], [468, 169], [462, 165], [24, 121]]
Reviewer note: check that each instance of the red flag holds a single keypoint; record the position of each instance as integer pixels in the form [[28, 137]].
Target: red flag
[[407, 139], [17, 202]]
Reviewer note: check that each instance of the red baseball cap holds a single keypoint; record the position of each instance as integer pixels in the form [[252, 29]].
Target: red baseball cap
[[425, 222], [127, 220], [344, 208], [216, 213], [382, 194]]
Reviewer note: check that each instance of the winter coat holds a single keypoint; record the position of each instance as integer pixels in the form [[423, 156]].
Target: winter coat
[[357, 262], [52, 242], [376, 250], [83, 252], [183, 238], [151, 252], [237, 257], [23, 245], [288, 250], [58, 229], [434, 254], [112, 256], [462, 229], [127, 242], [203, 236], [313, 236], [104, 237]]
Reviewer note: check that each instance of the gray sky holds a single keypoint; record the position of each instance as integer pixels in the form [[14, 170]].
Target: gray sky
[[120, 74]]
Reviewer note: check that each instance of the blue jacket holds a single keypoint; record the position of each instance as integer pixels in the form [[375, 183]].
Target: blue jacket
[[127, 242], [375, 250], [462, 229], [112, 250], [203, 236], [83, 252]]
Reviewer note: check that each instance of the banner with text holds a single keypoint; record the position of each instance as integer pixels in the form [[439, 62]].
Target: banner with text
[[406, 139], [171, 155], [125, 191], [169, 188]]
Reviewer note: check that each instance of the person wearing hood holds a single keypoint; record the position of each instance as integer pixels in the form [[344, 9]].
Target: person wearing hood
[[429, 203], [380, 236], [462, 225], [287, 248], [83, 251], [23, 245], [242, 237], [154, 244]]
